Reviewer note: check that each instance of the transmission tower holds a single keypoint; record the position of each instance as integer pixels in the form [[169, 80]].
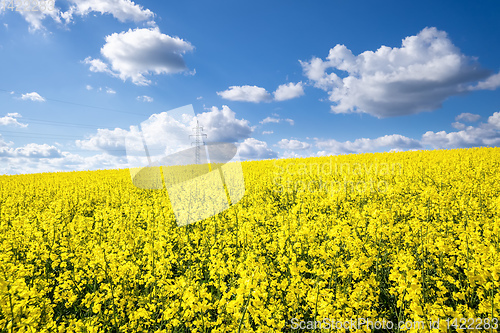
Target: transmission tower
[[198, 137]]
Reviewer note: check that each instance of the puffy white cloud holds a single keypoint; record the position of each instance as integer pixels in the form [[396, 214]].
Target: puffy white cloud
[[10, 120], [110, 91], [246, 94], [293, 144], [223, 126], [122, 10], [362, 145], [110, 141], [485, 134], [494, 120], [133, 54], [468, 117], [88, 87], [294, 154], [145, 98], [288, 91], [65, 161], [418, 76], [219, 125], [97, 65], [267, 132], [32, 96], [31, 150], [253, 149]]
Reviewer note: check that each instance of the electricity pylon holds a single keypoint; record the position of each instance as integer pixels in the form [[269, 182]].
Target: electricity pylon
[[198, 135]]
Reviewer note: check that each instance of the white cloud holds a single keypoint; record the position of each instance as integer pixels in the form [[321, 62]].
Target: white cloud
[[246, 94], [223, 126], [419, 76], [122, 10], [219, 125], [468, 117], [270, 120], [294, 154], [35, 18], [491, 83], [56, 161], [134, 54], [253, 149], [31, 150], [32, 96], [110, 141], [97, 65], [484, 134], [458, 125], [10, 120], [88, 87], [267, 132], [288, 91], [110, 91], [293, 144], [145, 98], [363, 145], [275, 119]]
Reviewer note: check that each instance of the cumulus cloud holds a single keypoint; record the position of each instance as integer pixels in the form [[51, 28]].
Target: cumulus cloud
[[10, 120], [288, 91], [145, 98], [122, 10], [88, 87], [220, 125], [246, 94], [484, 134], [362, 145], [418, 76], [134, 54], [253, 149], [110, 141], [97, 65], [32, 96], [267, 132], [481, 135], [468, 117], [293, 144], [223, 126], [110, 91], [64, 161], [31, 150]]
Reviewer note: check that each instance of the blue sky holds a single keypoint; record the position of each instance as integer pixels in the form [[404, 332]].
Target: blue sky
[[279, 78]]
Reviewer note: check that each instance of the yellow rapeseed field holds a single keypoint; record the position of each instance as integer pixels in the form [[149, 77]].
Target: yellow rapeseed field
[[388, 237]]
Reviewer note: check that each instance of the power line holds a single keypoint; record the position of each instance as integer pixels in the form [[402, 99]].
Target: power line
[[78, 104]]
